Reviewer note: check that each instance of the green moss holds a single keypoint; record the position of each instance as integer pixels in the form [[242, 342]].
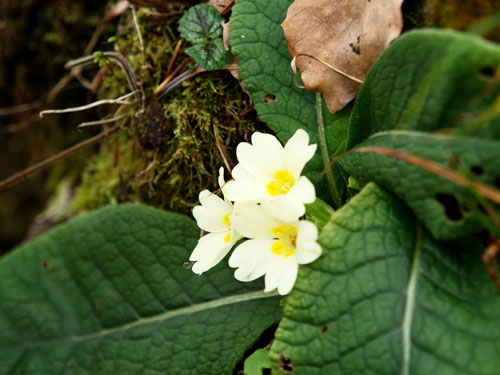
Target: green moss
[[167, 152]]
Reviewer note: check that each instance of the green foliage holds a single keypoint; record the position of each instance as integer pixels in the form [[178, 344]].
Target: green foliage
[[447, 209], [429, 80], [386, 298], [108, 293], [258, 43], [187, 159], [257, 362], [201, 25]]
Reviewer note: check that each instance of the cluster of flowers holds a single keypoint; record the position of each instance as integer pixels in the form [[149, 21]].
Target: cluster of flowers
[[269, 196]]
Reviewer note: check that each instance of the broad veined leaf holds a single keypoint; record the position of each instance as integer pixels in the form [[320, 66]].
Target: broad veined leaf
[[446, 208], [428, 80], [258, 43], [201, 25], [107, 293], [385, 298]]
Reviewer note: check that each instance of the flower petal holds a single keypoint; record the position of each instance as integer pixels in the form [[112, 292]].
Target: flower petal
[[209, 251], [303, 191], [244, 187], [220, 180], [282, 276], [252, 221], [298, 152], [263, 158], [308, 250], [210, 215], [281, 209], [253, 258]]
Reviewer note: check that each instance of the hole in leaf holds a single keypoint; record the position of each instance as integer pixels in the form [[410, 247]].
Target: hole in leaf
[[496, 182], [266, 371], [270, 98], [286, 363], [478, 170], [323, 329], [452, 208], [487, 72], [46, 265], [481, 208]]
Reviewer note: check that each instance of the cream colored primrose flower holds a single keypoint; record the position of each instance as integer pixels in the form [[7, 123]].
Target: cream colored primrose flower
[[267, 171], [215, 216], [276, 247]]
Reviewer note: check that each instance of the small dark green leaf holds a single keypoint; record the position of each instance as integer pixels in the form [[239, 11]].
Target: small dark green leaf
[[211, 55], [386, 298], [428, 80], [109, 293], [447, 209], [200, 24]]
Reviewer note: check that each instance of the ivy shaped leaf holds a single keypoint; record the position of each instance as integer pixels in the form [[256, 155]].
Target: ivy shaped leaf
[[109, 293], [386, 298], [201, 25]]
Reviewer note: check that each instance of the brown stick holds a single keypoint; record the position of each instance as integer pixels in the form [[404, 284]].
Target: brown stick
[[226, 8], [483, 189], [167, 80], [174, 57], [47, 162]]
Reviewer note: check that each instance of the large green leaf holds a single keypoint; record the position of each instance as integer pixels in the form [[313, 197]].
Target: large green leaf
[[259, 44], [427, 80], [447, 209], [107, 293], [385, 298]]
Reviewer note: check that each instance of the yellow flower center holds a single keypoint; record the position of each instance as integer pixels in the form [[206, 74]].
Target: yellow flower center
[[226, 221], [227, 238], [286, 244], [283, 182]]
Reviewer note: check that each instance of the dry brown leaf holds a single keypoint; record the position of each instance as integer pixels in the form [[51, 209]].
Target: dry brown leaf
[[219, 4], [343, 38]]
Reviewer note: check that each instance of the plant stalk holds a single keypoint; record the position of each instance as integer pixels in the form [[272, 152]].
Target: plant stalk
[[332, 186]]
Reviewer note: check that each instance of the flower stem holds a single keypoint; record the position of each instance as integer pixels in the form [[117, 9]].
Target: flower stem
[[332, 186]]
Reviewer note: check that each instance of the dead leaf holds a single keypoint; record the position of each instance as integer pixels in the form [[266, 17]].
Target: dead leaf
[[225, 35], [219, 4], [336, 41]]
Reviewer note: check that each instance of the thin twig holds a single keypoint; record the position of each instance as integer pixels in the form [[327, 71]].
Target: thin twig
[[344, 74], [227, 8], [119, 100], [47, 162], [21, 108], [179, 79], [167, 80], [102, 121], [115, 57], [174, 57], [222, 151], [143, 58], [483, 189]]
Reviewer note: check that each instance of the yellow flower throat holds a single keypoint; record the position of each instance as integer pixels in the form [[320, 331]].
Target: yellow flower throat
[[286, 244], [283, 182]]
